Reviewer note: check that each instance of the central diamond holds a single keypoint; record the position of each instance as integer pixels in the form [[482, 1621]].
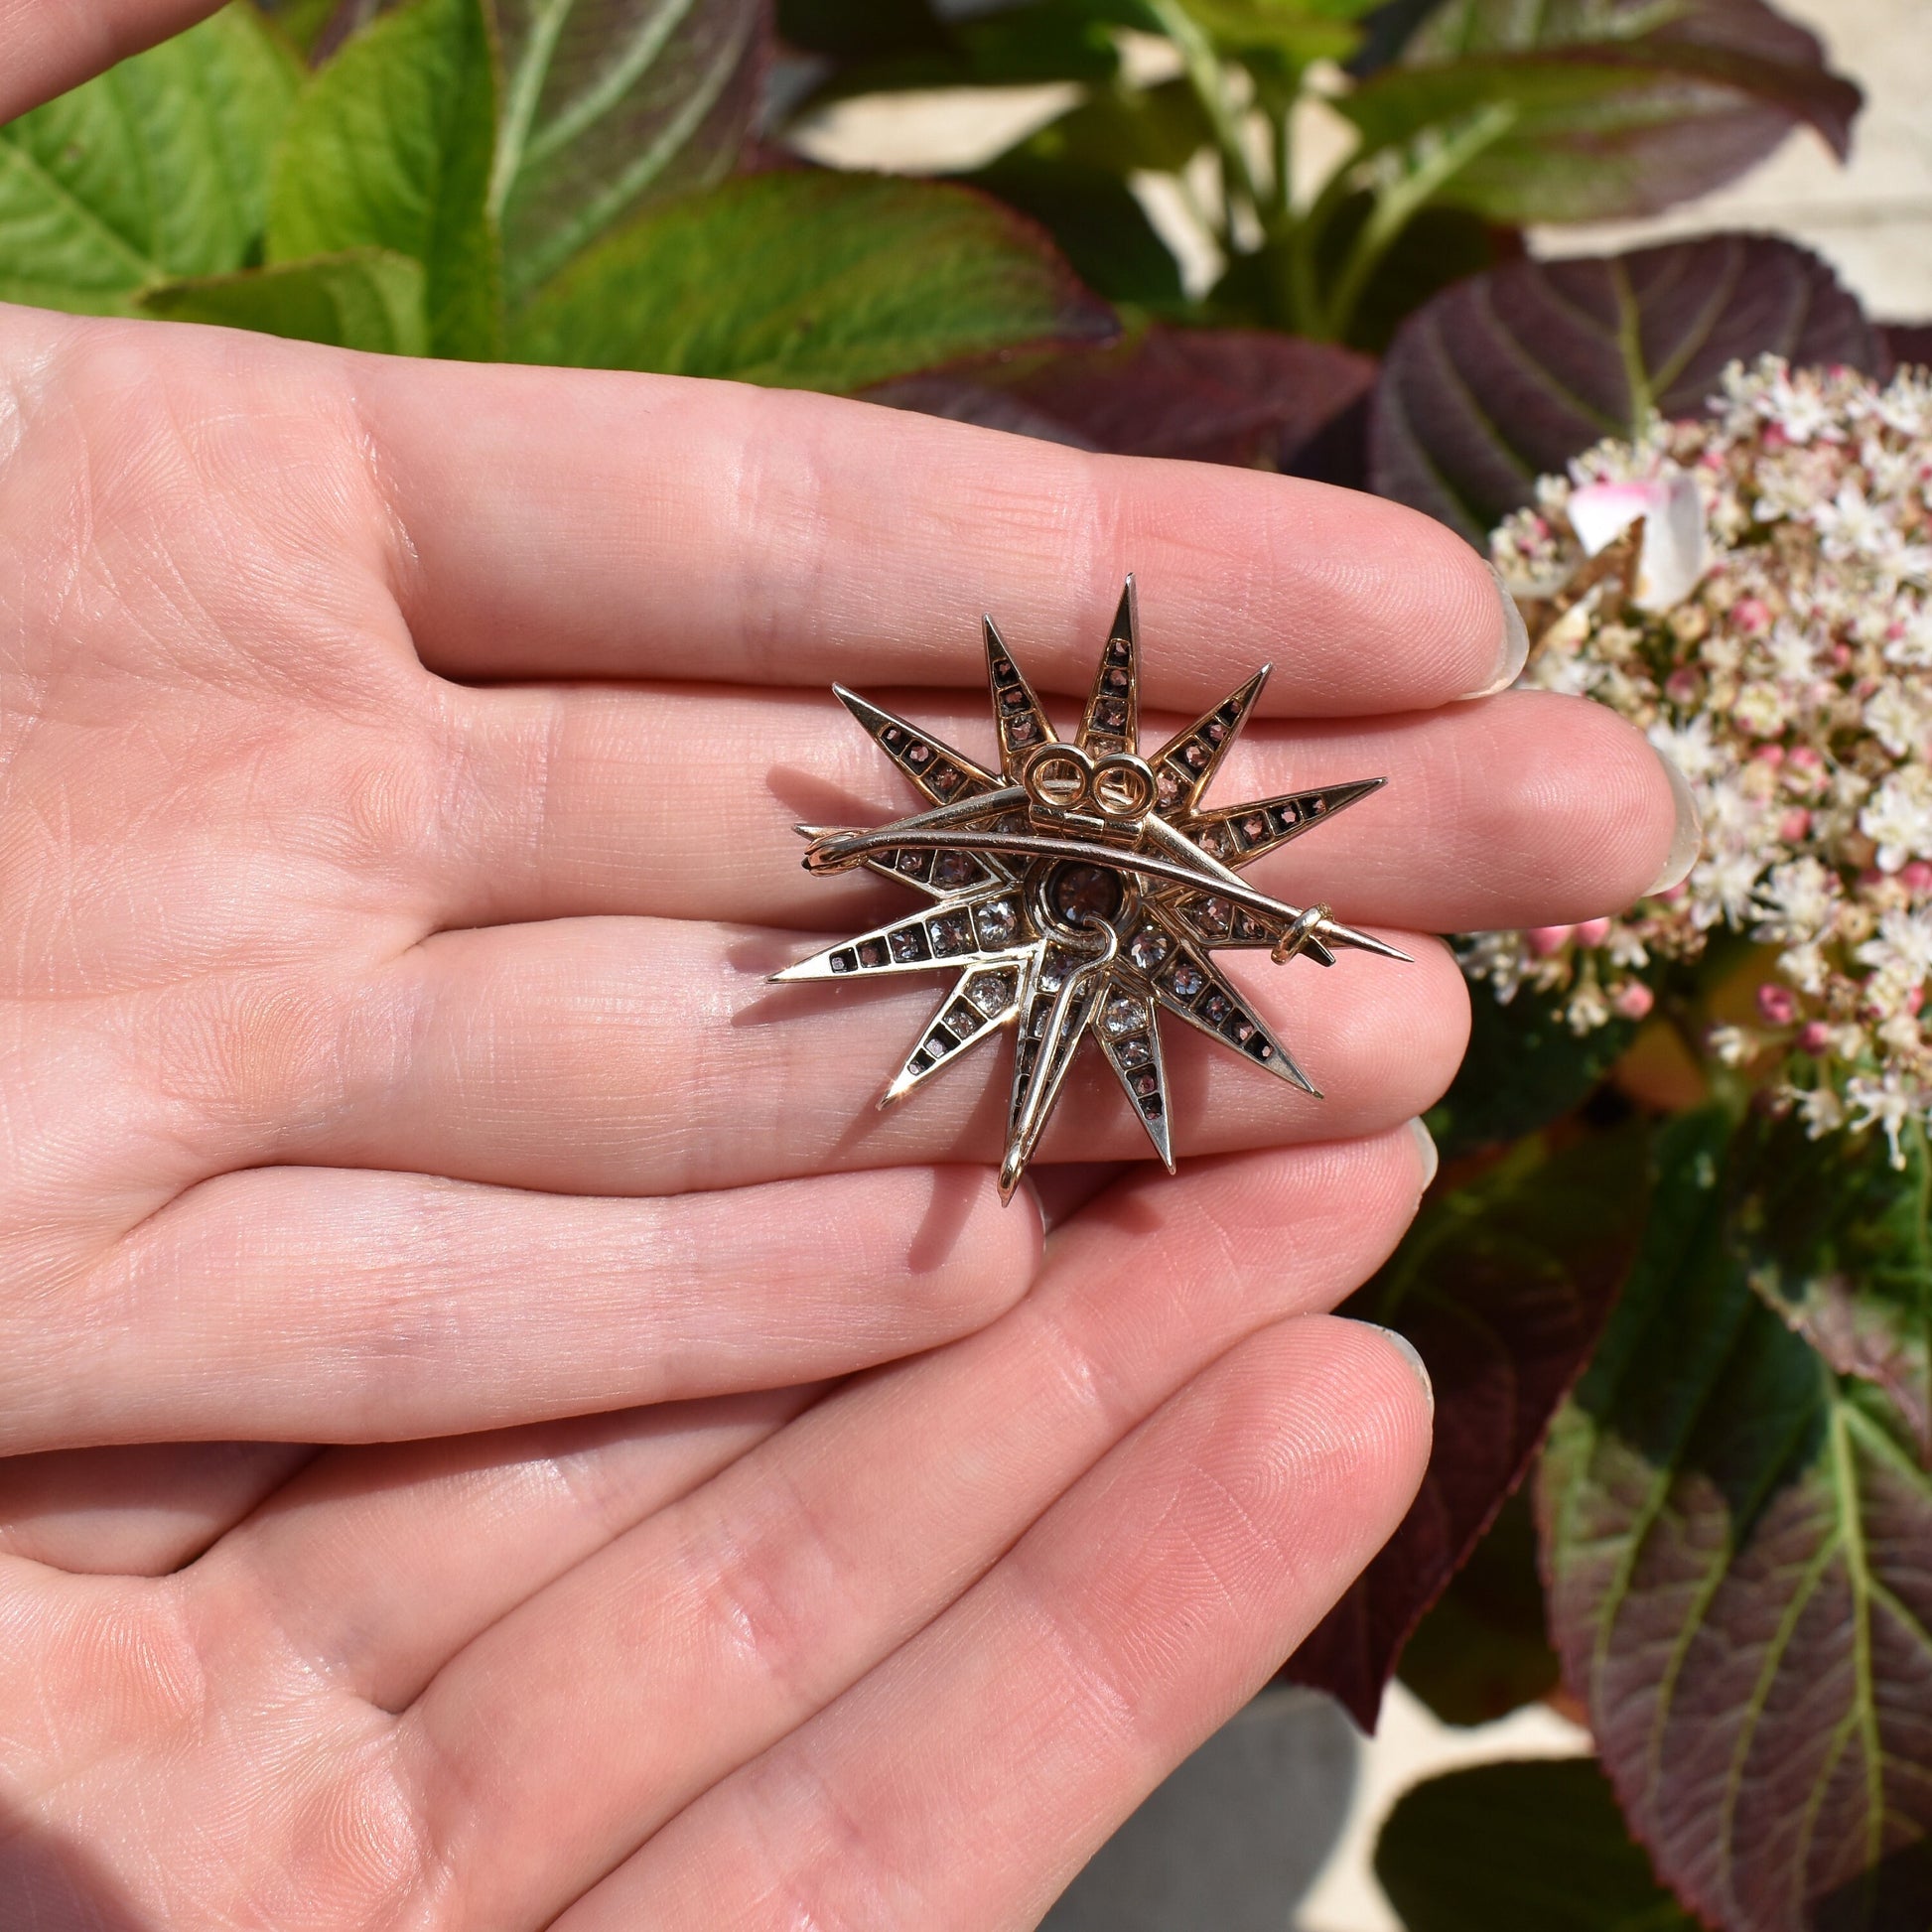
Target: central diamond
[[1084, 894]]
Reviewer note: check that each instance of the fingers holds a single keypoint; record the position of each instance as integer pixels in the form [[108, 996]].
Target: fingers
[[966, 1780], [771, 1590], [583, 523], [333, 1306], [382, 1562], [135, 1510], [1529, 809], [54, 44], [645, 1056]]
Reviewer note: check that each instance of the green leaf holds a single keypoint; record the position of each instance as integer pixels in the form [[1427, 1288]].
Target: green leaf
[[1303, 30], [611, 103], [158, 168], [817, 281], [1619, 109], [1737, 1542], [1503, 1287], [1121, 129], [1523, 1068], [389, 147], [370, 300], [1482, 1651], [1534, 1845], [1837, 1241]]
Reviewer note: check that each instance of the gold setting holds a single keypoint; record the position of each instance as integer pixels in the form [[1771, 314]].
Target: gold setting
[[1081, 890]]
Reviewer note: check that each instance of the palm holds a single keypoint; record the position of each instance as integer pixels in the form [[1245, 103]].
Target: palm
[[388, 1059]]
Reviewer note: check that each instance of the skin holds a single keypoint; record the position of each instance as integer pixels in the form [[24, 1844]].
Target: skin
[[497, 1432]]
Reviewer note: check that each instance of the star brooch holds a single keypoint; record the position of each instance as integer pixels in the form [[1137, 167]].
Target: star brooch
[[1079, 891]]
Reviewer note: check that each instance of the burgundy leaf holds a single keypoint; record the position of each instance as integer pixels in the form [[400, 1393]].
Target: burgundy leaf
[[1509, 374], [1908, 341], [1619, 109], [1240, 396], [1740, 1548], [1503, 1287]]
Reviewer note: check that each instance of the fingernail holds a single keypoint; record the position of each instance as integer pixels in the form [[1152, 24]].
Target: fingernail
[[1515, 642], [1405, 1348], [1425, 1151], [1687, 837]]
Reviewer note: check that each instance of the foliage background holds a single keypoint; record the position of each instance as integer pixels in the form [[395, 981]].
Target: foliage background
[[605, 183]]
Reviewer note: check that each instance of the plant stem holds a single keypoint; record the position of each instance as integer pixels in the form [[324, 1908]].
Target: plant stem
[[1207, 77], [1398, 201]]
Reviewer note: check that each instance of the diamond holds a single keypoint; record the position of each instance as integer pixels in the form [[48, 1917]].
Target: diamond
[[953, 868], [1022, 730], [1186, 979], [918, 754], [1254, 826], [1149, 947], [841, 962], [1146, 1084], [908, 944], [1132, 1052], [1217, 730], [1053, 971], [1212, 916], [1195, 752], [918, 1064], [952, 932], [1014, 699], [1216, 1007], [1167, 787], [1122, 1016], [939, 1040], [1241, 1031], [998, 921], [992, 993], [892, 737], [1213, 841], [912, 863], [872, 953], [1247, 926], [963, 1020], [1110, 715], [1117, 679], [1288, 816]]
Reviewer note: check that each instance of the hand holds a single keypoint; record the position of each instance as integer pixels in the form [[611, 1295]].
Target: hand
[[397, 765]]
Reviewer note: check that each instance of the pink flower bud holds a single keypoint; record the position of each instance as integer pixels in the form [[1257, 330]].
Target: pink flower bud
[[1769, 754], [1805, 756], [1917, 877], [1794, 825], [1543, 940], [1778, 1004], [1869, 877], [1632, 1002], [1751, 614], [1681, 687], [1914, 1000], [1814, 1037], [1592, 932]]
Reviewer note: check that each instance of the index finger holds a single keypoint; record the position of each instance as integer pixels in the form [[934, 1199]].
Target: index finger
[[588, 523]]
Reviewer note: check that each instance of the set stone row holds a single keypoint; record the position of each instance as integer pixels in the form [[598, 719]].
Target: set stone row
[[991, 925]]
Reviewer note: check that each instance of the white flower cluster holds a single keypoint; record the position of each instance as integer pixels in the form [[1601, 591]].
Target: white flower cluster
[[1754, 591]]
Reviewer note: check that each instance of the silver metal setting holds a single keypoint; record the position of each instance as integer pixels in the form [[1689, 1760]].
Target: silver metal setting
[[1079, 891]]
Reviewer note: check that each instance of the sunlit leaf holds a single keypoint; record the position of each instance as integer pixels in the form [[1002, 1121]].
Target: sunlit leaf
[[1503, 1287], [1619, 110], [1736, 1537], [1507, 376], [370, 300], [818, 281], [611, 103], [389, 147], [157, 168]]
